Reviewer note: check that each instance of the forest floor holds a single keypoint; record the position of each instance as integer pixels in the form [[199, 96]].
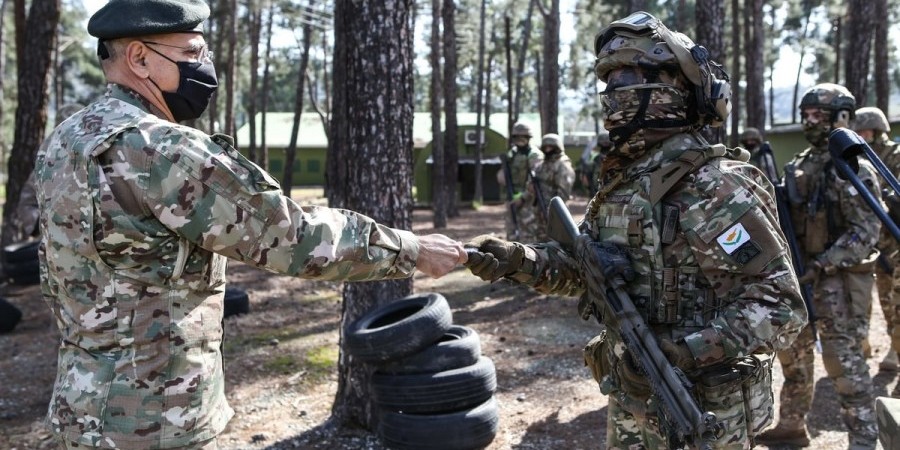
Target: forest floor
[[280, 361]]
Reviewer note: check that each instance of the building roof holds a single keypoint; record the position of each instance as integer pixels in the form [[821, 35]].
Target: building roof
[[312, 134]]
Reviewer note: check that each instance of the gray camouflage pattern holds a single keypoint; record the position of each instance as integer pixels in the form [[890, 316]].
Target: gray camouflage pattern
[[138, 216], [556, 176], [889, 283], [526, 215]]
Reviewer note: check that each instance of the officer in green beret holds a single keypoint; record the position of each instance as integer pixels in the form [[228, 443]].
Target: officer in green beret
[[138, 215]]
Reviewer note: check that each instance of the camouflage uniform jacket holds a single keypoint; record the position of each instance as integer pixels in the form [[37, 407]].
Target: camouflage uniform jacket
[[138, 215], [520, 162], [832, 221], [556, 177], [721, 280]]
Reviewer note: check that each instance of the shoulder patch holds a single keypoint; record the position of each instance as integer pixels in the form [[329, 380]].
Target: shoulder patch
[[746, 252], [733, 238]]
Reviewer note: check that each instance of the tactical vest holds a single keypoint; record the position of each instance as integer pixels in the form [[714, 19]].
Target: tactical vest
[[520, 165], [633, 215], [815, 208]]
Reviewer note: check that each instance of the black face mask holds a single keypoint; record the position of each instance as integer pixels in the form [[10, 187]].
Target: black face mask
[[197, 83]]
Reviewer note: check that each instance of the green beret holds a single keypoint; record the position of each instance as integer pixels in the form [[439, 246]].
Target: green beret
[[128, 18]]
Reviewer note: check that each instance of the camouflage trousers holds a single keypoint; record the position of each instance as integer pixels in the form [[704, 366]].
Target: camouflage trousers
[[743, 406], [64, 444], [842, 302], [889, 297], [531, 228]]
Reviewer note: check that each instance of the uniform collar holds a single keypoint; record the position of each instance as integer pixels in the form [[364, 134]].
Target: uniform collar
[[130, 96]]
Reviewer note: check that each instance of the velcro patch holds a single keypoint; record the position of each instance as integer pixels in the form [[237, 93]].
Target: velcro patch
[[733, 238], [746, 252]]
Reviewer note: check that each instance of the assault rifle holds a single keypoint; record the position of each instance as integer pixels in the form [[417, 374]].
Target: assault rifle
[[767, 160], [680, 415], [538, 194], [510, 194]]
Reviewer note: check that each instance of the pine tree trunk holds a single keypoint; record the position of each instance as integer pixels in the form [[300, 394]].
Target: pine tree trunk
[[882, 62], [290, 153], [710, 34], [438, 191], [35, 41], [550, 82], [861, 28], [255, 29], [523, 54], [756, 104], [736, 52], [371, 138], [478, 196], [451, 129], [230, 71], [3, 4], [264, 102]]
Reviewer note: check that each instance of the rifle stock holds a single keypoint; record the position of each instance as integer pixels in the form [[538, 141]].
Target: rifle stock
[[787, 226], [538, 193], [510, 194], [681, 416]]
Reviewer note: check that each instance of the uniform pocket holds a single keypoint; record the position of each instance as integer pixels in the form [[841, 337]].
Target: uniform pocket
[[758, 395], [721, 392], [80, 395]]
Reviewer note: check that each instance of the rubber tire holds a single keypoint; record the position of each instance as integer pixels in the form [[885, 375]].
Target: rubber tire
[[399, 328], [467, 429], [9, 316], [236, 302], [458, 347], [24, 273], [21, 252], [451, 390]]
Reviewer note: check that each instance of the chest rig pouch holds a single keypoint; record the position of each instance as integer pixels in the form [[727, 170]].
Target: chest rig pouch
[[634, 216]]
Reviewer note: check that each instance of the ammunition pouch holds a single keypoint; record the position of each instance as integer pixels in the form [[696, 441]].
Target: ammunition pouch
[[596, 358], [815, 239], [740, 394]]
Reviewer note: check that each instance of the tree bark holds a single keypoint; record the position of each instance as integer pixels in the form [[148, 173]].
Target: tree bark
[[35, 40], [290, 153], [882, 62], [710, 17], [264, 102], [438, 191], [370, 157], [550, 82], [861, 23], [254, 30], [451, 130], [756, 104], [523, 54], [736, 53], [478, 196], [507, 44], [3, 4], [807, 13]]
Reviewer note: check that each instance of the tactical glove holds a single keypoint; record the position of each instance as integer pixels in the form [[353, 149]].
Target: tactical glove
[[678, 354], [492, 258], [813, 271]]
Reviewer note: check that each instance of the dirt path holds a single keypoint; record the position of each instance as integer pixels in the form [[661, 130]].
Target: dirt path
[[280, 362]]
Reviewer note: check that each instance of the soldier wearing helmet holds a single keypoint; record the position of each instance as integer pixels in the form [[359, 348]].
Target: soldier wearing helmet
[[873, 126], [590, 167], [522, 158], [751, 140], [837, 233], [555, 177], [713, 279]]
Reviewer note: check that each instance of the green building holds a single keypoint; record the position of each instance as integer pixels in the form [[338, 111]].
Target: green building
[[312, 148]]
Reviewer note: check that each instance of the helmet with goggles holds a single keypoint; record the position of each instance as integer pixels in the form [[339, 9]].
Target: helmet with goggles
[[641, 40]]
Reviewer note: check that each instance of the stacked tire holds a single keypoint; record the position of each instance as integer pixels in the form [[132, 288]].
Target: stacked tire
[[20, 263], [433, 388]]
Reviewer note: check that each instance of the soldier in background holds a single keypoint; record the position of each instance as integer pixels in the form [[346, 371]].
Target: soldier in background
[[522, 158], [712, 274], [751, 140], [837, 233], [138, 215], [555, 176], [591, 174], [873, 126]]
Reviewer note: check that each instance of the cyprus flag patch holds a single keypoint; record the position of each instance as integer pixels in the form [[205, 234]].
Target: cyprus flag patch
[[733, 238]]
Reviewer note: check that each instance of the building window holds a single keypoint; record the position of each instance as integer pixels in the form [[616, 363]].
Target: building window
[[312, 166]]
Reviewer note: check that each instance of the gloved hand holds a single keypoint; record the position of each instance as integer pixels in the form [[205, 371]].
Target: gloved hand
[[492, 258], [678, 354], [614, 259]]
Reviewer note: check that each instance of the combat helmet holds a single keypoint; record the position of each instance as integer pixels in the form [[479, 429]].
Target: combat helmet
[[521, 129], [552, 139], [871, 118], [751, 133], [641, 40], [603, 139], [829, 97]]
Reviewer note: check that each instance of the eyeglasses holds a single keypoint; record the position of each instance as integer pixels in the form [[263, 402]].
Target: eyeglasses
[[198, 53]]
